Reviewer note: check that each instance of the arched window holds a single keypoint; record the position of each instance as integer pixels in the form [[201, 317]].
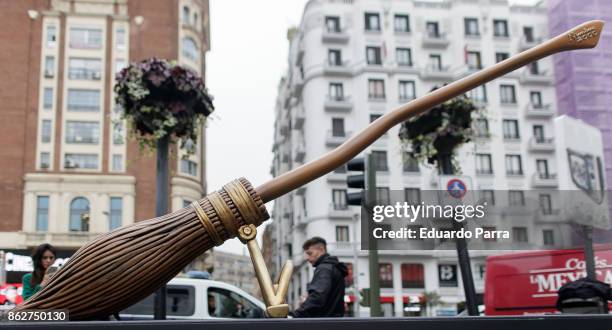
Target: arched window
[[195, 19], [185, 15], [79, 214], [190, 48]]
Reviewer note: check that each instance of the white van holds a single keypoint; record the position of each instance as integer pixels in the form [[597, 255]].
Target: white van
[[190, 298]]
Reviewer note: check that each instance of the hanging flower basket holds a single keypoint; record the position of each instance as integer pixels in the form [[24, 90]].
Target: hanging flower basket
[[159, 98], [439, 131]]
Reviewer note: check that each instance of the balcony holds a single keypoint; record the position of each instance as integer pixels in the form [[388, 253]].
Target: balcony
[[337, 69], [298, 85], [405, 99], [406, 68], [541, 144], [334, 139], [338, 103], [300, 54], [334, 36], [525, 43], [433, 72], [544, 180], [536, 78], [300, 152], [435, 40], [299, 116], [68, 239], [466, 70], [84, 74], [341, 246], [514, 173], [484, 172], [340, 211], [539, 110]]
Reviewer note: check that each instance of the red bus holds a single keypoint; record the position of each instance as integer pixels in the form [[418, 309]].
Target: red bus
[[527, 282]]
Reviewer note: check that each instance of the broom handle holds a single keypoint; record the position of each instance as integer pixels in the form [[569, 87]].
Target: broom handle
[[585, 35]]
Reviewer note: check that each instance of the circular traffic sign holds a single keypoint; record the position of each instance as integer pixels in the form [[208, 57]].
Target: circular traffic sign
[[456, 188]]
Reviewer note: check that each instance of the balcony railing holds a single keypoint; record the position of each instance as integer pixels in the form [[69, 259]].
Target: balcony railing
[[535, 110], [340, 211], [481, 171], [337, 68], [338, 103], [335, 35], [541, 144], [336, 138], [84, 74], [435, 72], [544, 180], [538, 78], [435, 40]]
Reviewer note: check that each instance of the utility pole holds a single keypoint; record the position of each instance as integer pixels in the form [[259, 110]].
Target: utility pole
[[372, 244]]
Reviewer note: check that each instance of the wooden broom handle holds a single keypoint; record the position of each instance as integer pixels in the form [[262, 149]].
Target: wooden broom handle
[[582, 36]]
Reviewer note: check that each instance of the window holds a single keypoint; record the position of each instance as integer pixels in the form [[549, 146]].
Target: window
[[373, 56], [186, 202], [82, 132], [483, 164], [45, 131], [189, 167], [406, 90], [487, 196], [401, 23], [333, 24], [180, 300], [119, 65], [45, 160], [85, 38], [478, 94], [195, 19], [536, 99], [471, 26], [511, 130], [500, 28], [473, 60], [48, 98], [413, 276], [386, 275], [373, 117], [545, 203], [481, 127], [339, 199], [410, 163], [186, 15], [84, 68], [42, 213], [447, 275], [342, 233], [116, 212], [380, 158], [348, 279], [403, 56], [79, 214], [338, 127], [376, 89], [189, 49], [84, 161], [542, 168], [548, 237], [383, 196], [51, 36], [489, 238], [118, 133], [533, 68], [117, 163], [528, 34], [341, 169], [519, 234], [83, 100], [538, 133], [507, 94], [223, 303], [501, 57], [372, 22], [435, 62], [513, 165], [516, 198], [120, 35], [412, 196], [49, 66], [334, 57], [432, 29]]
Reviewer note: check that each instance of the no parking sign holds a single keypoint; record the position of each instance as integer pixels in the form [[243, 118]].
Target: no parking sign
[[456, 189]]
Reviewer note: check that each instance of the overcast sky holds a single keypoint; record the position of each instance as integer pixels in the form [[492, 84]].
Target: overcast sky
[[248, 56]]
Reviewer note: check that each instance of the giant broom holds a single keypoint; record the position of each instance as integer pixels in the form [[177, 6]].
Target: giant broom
[[121, 267]]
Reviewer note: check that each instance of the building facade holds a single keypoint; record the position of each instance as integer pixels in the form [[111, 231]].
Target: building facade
[[353, 61], [69, 171], [235, 269]]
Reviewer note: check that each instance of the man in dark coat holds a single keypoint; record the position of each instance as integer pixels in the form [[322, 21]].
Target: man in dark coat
[[326, 290]]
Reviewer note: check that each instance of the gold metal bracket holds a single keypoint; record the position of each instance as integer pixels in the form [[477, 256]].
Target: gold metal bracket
[[274, 295]]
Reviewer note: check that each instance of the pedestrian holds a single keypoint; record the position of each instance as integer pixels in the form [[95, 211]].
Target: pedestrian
[[326, 290], [43, 257]]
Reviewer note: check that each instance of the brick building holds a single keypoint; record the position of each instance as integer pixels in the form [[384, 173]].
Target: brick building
[[67, 170]]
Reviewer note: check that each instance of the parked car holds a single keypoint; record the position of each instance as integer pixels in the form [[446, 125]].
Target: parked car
[[193, 298]]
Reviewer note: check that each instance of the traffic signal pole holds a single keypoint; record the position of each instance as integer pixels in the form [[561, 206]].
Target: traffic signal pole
[[372, 246]]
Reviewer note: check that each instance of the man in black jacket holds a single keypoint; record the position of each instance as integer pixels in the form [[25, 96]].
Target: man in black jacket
[[326, 290]]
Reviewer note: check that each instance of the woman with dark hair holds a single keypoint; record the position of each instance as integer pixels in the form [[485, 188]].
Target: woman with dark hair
[[43, 258]]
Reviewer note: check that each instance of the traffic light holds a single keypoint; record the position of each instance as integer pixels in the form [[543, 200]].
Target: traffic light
[[364, 297], [355, 181]]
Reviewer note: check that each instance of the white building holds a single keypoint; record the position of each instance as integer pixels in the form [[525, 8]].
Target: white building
[[351, 61]]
